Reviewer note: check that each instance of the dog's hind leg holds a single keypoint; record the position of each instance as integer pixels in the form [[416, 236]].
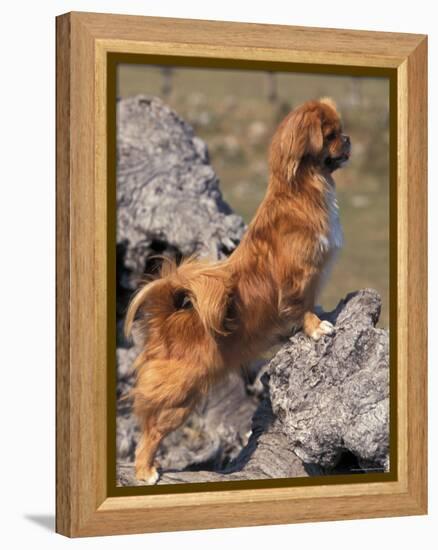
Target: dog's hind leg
[[144, 456], [156, 427]]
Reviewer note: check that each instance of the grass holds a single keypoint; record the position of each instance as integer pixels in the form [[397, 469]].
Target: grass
[[236, 112]]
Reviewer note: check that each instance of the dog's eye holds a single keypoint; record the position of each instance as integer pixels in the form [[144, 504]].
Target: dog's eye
[[331, 136], [182, 300]]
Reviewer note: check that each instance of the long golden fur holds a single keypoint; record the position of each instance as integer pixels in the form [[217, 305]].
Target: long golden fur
[[200, 320]]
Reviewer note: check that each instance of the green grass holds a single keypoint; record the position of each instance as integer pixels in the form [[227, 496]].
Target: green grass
[[231, 111]]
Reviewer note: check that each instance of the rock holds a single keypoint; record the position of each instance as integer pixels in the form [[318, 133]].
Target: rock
[[332, 396], [168, 196], [325, 408]]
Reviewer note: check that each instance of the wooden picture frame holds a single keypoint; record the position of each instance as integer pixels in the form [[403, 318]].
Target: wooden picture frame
[[85, 43]]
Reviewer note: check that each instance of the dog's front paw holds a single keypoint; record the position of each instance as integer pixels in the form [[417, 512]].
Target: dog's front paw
[[148, 475], [324, 327]]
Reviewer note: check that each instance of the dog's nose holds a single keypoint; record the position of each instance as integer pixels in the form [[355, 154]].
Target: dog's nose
[[346, 139]]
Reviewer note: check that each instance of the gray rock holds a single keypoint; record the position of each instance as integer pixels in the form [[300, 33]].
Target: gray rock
[[168, 196], [332, 396]]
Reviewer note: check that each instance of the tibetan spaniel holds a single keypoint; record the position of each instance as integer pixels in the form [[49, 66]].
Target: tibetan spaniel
[[199, 320]]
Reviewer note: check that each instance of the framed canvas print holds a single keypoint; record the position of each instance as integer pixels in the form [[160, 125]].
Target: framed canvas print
[[241, 274]]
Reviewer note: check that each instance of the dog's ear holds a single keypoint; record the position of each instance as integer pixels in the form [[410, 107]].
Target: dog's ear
[[329, 102], [303, 137], [299, 135]]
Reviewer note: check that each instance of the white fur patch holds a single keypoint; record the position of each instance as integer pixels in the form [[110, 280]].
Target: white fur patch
[[336, 236], [333, 241], [324, 243]]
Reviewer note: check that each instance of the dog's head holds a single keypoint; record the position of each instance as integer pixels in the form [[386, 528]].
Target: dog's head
[[182, 315], [310, 136]]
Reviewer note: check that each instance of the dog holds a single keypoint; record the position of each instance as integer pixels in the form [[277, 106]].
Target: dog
[[199, 320]]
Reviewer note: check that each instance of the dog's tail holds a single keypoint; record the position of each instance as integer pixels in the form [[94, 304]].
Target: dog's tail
[[139, 299], [195, 287]]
